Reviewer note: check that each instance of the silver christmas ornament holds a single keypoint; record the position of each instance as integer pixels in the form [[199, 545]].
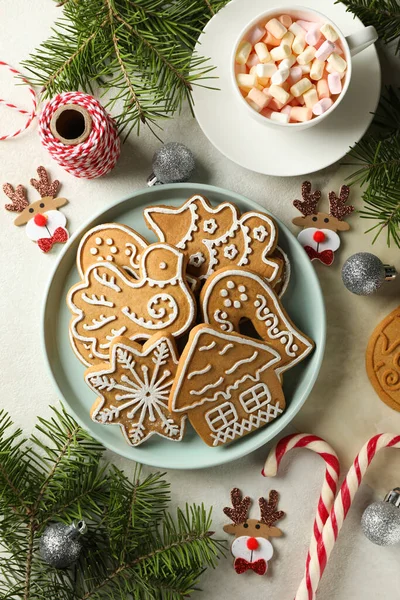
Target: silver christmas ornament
[[381, 520], [363, 273], [60, 545], [172, 163]]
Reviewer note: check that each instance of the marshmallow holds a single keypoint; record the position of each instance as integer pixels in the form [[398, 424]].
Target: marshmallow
[[256, 34], [246, 80], [270, 40], [252, 60], [266, 112], [262, 52], [260, 99], [300, 87], [329, 32], [288, 38], [266, 70], [325, 50], [243, 52], [280, 52], [337, 62], [279, 117], [299, 43], [280, 76], [310, 98], [280, 94], [334, 83], [286, 110], [322, 106], [287, 62], [330, 69], [286, 20], [306, 68], [240, 69], [297, 30], [305, 24], [295, 74], [275, 105], [301, 113], [251, 103], [338, 49], [313, 35], [317, 69], [323, 89], [301, 101], [306, 56], [276, 28]]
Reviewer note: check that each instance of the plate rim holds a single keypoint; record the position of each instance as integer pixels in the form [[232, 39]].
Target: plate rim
[[221, 458], [265, 171]]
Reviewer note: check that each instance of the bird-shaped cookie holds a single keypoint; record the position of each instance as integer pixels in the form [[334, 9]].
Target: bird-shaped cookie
[[108, 303]]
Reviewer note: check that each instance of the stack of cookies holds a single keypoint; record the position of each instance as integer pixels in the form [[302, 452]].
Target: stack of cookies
[[160, 326]]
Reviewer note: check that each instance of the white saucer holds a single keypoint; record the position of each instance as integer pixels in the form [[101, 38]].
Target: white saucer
[[264, 149]]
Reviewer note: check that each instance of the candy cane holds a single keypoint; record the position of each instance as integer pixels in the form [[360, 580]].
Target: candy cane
[[325, 503], [31, 114], [343, 503]]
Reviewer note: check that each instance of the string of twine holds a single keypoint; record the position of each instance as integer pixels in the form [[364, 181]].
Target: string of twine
[[95, 156]]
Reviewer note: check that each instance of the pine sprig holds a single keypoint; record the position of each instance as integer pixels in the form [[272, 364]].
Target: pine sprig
[[138, 52], [133, 549], [377, 162], [384, 15]]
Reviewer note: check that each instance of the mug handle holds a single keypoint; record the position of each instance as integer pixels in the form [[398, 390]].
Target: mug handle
[[361, 39]]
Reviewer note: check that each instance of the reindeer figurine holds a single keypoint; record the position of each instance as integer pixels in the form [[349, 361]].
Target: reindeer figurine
[[44, 223], [251, 547], [318, 237]]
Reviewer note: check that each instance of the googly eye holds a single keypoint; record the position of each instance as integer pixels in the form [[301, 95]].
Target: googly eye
[[245, 525], [326, 220], [41, 205], [31, 210], [314, 219], [258, 526]]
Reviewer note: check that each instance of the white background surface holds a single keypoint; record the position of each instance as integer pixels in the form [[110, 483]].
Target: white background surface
[[343, 408]]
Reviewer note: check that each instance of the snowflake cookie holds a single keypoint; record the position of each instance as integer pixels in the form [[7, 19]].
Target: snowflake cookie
[[134, 388]]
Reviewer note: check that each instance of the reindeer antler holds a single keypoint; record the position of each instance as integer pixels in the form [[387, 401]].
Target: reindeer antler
[[337, 204], [17, 196], [310, 200], [268, 512], [238, 514], [43, 186]]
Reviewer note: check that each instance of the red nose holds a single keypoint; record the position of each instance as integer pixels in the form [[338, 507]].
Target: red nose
[[319, 237], [40, 219], [252, 543]]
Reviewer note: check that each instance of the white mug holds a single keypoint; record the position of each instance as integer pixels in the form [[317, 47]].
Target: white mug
[[352, 45]]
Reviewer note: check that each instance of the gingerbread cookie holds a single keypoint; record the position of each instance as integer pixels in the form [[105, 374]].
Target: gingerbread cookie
[[216, 237], [114, 243], [383, 359], [108, 304], [134, 387], [231, 295], [227, 383], [282, 283]]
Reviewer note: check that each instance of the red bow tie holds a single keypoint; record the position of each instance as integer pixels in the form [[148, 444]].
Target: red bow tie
[[60, 236], [326, 256], [242, 565]]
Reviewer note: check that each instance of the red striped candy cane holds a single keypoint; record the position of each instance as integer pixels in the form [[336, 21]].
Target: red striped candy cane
[[343, 503], [31, 114], [327, 497]]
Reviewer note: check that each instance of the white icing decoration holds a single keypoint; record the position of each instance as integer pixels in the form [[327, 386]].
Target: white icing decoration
[[231, 251], [228, 303], [93, 251], [114, 249], [255, 398], [128, 252], [196, 260], [260, 233], [242, 362], [242, 288], [210, 226], [225, 349], [99, 323], [106, 281], [98, 241], [224, 293], [102, 301], [110, 258], [244, 297], [237, 304], [155, 314], [247, 425], [207, 387], [144, 393], [230, 285], [200, 372], [221, 318], [222, 416], [209, 347], [163, 265], [109, 241]]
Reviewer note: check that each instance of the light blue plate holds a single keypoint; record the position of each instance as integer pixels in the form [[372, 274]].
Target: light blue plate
[[303, 301]]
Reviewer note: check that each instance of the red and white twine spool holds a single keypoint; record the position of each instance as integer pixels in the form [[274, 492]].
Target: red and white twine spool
[[94, 156], [88, 154]]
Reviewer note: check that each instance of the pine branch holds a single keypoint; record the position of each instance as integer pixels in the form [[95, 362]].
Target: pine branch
[[384, 15], [138, 51], [133, 550]]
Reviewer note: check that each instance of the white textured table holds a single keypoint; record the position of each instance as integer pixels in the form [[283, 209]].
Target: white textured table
[[343, 407]]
